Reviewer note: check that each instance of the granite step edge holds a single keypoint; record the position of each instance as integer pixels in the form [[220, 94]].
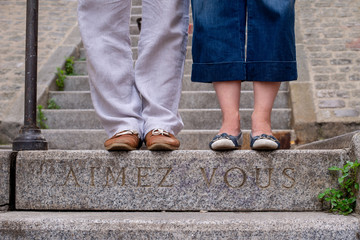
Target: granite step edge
[[135, 225], [175, 181], [72, 139]]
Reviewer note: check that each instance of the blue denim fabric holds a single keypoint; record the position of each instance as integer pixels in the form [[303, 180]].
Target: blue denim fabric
[[221, 52]]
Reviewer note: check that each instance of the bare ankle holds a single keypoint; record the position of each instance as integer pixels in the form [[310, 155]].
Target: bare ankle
[[260, 125], [231, 125], [233, 130]]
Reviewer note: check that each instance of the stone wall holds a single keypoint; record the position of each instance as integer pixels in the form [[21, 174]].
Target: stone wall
[[329, 47]]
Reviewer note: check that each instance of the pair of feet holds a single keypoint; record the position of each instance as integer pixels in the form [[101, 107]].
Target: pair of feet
[[224, 141], [155, 140]]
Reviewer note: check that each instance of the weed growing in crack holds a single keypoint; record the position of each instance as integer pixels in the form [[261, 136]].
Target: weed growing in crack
[[343, 200], [52, 104], [40, 118], [69, 66], [60, 81]]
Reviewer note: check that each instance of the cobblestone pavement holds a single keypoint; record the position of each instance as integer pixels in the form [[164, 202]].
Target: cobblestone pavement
[[56, 19]]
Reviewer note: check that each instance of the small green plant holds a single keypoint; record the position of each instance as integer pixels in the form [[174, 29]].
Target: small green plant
[[40, 120], [343, 200], [69, 66], [60, 81], [52, 104]]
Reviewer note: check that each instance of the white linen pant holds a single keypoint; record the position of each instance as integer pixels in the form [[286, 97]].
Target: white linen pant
[[146, 96]]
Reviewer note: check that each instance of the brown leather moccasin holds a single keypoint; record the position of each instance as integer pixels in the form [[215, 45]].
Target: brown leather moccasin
[[161, 140], [126, 140]]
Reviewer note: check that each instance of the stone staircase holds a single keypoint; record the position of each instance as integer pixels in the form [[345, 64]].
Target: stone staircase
[[79, 191], [193, 194], [75, 126]]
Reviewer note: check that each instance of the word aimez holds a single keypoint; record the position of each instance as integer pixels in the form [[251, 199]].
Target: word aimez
[[168, 177]]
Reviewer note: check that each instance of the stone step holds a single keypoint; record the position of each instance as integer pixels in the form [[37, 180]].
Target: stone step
[[136, 11], [5, 146], [136, 3], [134, 29], [81, 83], [85, 139], [337, 142], [82, 56], [284, 180], [5, 156], [172, 225], [135, 15], [189, 99], [135, 40], [80, 67], [192, 118]]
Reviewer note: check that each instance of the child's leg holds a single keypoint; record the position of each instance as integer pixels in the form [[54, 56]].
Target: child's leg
[[264, 97], [228, 94]]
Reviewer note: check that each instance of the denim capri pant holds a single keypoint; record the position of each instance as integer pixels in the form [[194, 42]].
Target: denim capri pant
[[249, 40]]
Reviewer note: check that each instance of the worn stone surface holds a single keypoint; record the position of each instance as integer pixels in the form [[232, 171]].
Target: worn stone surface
[[330, 34], [301, 99], [194, 119], [56, 20], [180, 180], [58, 36], [189, 100], [4, 177], [81, 83], [355, 152], [356, 145], [339, 142], [85, 139], [135, 225]]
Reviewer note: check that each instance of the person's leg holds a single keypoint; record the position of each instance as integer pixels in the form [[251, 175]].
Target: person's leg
[[264, 97], [271, 59], [229, 136], [218, 52], [228, 94], [271, 54], [159, 68], [104, 27], [218, 46]]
